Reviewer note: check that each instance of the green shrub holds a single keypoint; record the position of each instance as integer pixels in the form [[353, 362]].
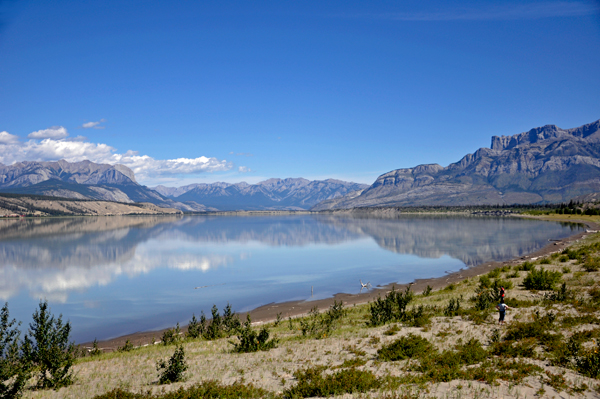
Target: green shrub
[[427, 291], [171, 336], [231, 322], [484, 298], [541, 279], [174, 370], [218, 327], [127, 347], [417, 316], [450, 287], [494, 273], [591, 264], [524, 348], [390, 308], [540, 327], [589, 363], [571, 253], [312, 382], [195, 328], [545, 261], [564, 353], [48, 348], [251, 341], [507, 284], [405, 347], [214, 330], [471, 352], [526, 266], [452, 307], [392, 330], [319, 325], [96, 351], [484, 282], [560, 295], [572, 321], [14, 370], [441, 367], [209, 389], [594, 293]]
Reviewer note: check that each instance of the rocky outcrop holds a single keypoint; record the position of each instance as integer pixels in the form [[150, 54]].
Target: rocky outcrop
[[545, 164]]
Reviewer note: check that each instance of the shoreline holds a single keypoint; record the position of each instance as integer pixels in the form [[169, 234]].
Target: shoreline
[[268, 313]]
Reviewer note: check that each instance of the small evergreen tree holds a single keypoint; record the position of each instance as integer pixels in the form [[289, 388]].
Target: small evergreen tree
[[48, 348], [194, 328], [251, 341], [14, 370], [172, 371], [96, 351]]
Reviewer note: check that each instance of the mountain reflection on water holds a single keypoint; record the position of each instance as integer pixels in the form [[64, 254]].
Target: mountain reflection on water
[[57, 258]]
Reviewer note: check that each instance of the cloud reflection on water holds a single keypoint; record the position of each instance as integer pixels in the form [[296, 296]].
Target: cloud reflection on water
[[49, 258]]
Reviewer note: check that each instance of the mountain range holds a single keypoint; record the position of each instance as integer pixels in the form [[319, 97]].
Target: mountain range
[[88, 180], [544, 165], [81, 180], [271, 194]]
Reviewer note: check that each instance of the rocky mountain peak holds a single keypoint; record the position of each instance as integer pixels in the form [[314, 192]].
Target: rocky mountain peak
[[544, 164], [547, 132]]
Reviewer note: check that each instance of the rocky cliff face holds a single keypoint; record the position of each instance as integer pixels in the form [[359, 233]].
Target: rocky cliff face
[[272, 194], [545, 164]]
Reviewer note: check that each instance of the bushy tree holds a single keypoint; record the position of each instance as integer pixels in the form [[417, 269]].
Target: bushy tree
[[195, 328], [172, 371], [14, 370], [48, 348], [541, 279], [390, 308], [251, 341]]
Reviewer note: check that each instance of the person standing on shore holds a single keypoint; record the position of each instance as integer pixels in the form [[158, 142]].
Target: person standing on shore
[[502, 293], [502, 309]]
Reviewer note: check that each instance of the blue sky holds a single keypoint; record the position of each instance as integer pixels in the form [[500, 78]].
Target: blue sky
[[203, 91]]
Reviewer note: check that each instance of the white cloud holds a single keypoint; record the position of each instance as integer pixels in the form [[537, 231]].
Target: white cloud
[[244, 169], [93, 125], [78, 149], [7, 138], [54, 132]]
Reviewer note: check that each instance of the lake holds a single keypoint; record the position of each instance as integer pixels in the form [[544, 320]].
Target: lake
[[112, 276]]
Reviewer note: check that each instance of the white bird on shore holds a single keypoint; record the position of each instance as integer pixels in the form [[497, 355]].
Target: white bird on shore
[[367, 285]]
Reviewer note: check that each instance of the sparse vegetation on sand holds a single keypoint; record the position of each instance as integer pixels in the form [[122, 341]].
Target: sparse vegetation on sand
[[442, 343]]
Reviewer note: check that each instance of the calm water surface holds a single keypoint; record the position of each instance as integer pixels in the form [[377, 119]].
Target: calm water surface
[[112, 276]]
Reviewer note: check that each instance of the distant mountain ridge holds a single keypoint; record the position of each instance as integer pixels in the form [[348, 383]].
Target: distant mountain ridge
[[82, 180], [545, 164], [89, 180], [271, 194], [23, 174]]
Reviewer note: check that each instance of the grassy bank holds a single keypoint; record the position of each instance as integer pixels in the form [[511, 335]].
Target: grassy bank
[[444, 343]]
